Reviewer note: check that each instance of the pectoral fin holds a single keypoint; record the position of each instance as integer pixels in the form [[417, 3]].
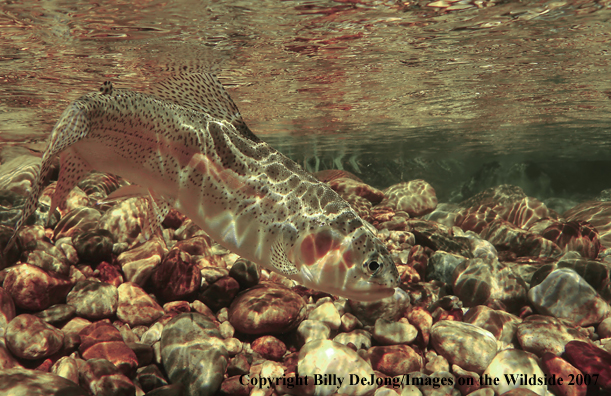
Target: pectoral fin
[[125, 192]]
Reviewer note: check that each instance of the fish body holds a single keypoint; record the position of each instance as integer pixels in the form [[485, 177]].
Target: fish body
[[186, 146]]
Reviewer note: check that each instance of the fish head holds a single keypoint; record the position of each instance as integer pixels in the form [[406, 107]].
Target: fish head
[[356, 266]]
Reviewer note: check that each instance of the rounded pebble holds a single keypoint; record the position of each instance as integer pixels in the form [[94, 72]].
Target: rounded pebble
[[267, 309], [136, 307], [201, 365], [28, 337], [463, 344], [94, 300]]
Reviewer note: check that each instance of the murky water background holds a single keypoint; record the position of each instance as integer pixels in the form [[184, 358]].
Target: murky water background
[[465, 94]]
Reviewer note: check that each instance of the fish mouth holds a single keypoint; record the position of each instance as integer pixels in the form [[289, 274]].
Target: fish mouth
[[368, 291]]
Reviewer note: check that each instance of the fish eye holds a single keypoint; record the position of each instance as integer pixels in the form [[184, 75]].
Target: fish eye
[[373, 265]]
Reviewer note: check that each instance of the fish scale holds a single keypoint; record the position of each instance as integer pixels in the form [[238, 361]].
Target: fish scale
[[186, 146]]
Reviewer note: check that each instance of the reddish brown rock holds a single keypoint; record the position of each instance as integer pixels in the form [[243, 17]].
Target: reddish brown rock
[[269, 347], [416, 197], [597, 214], [221, 293], [35, 289], [381, 214], [177, 306], [526, 212], [116, 352], [101, 340], [233, 387], [328, 175], [553, 365], [395, 360], [136, 307], [501, 324], [109, 273], [455, 314], [176, 277], [545, 334], [423, 321], [577, 236], [96, 332], [267, 309], [418, 258], [98, 376], [507, 236], [479, 282], [590, 359], [476, 218], [346, 187], [7, 308], [360, 205], [504, 195], [174, 219], [199, 245]]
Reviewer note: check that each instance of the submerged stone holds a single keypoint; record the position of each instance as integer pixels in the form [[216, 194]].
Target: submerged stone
[[35, 289], [267, 309], [28, 337], [18, 381], [193, 353], [565, 294]]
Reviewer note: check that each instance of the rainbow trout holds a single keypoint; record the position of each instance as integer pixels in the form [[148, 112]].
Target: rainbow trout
[[186, 147]]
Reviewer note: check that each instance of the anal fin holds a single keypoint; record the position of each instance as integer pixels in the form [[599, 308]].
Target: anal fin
[[72, 169], [280, 261], [157, 208]]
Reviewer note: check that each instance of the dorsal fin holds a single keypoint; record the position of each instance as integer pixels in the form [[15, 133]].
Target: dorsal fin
[[203, 92]]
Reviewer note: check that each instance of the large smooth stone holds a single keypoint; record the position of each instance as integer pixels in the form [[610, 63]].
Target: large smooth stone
[[395, 360], [136, 307], [415, 197], [94, 300], [267, 309], [325, 358], [591, 360], [29, 337], [18, 381], [514, 362], [540, 334], [564, 294], [101, 378], [468, 346], [193, 353], [501, 324]]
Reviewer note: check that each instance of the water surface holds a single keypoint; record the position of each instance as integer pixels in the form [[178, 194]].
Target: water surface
[[463, 94]]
